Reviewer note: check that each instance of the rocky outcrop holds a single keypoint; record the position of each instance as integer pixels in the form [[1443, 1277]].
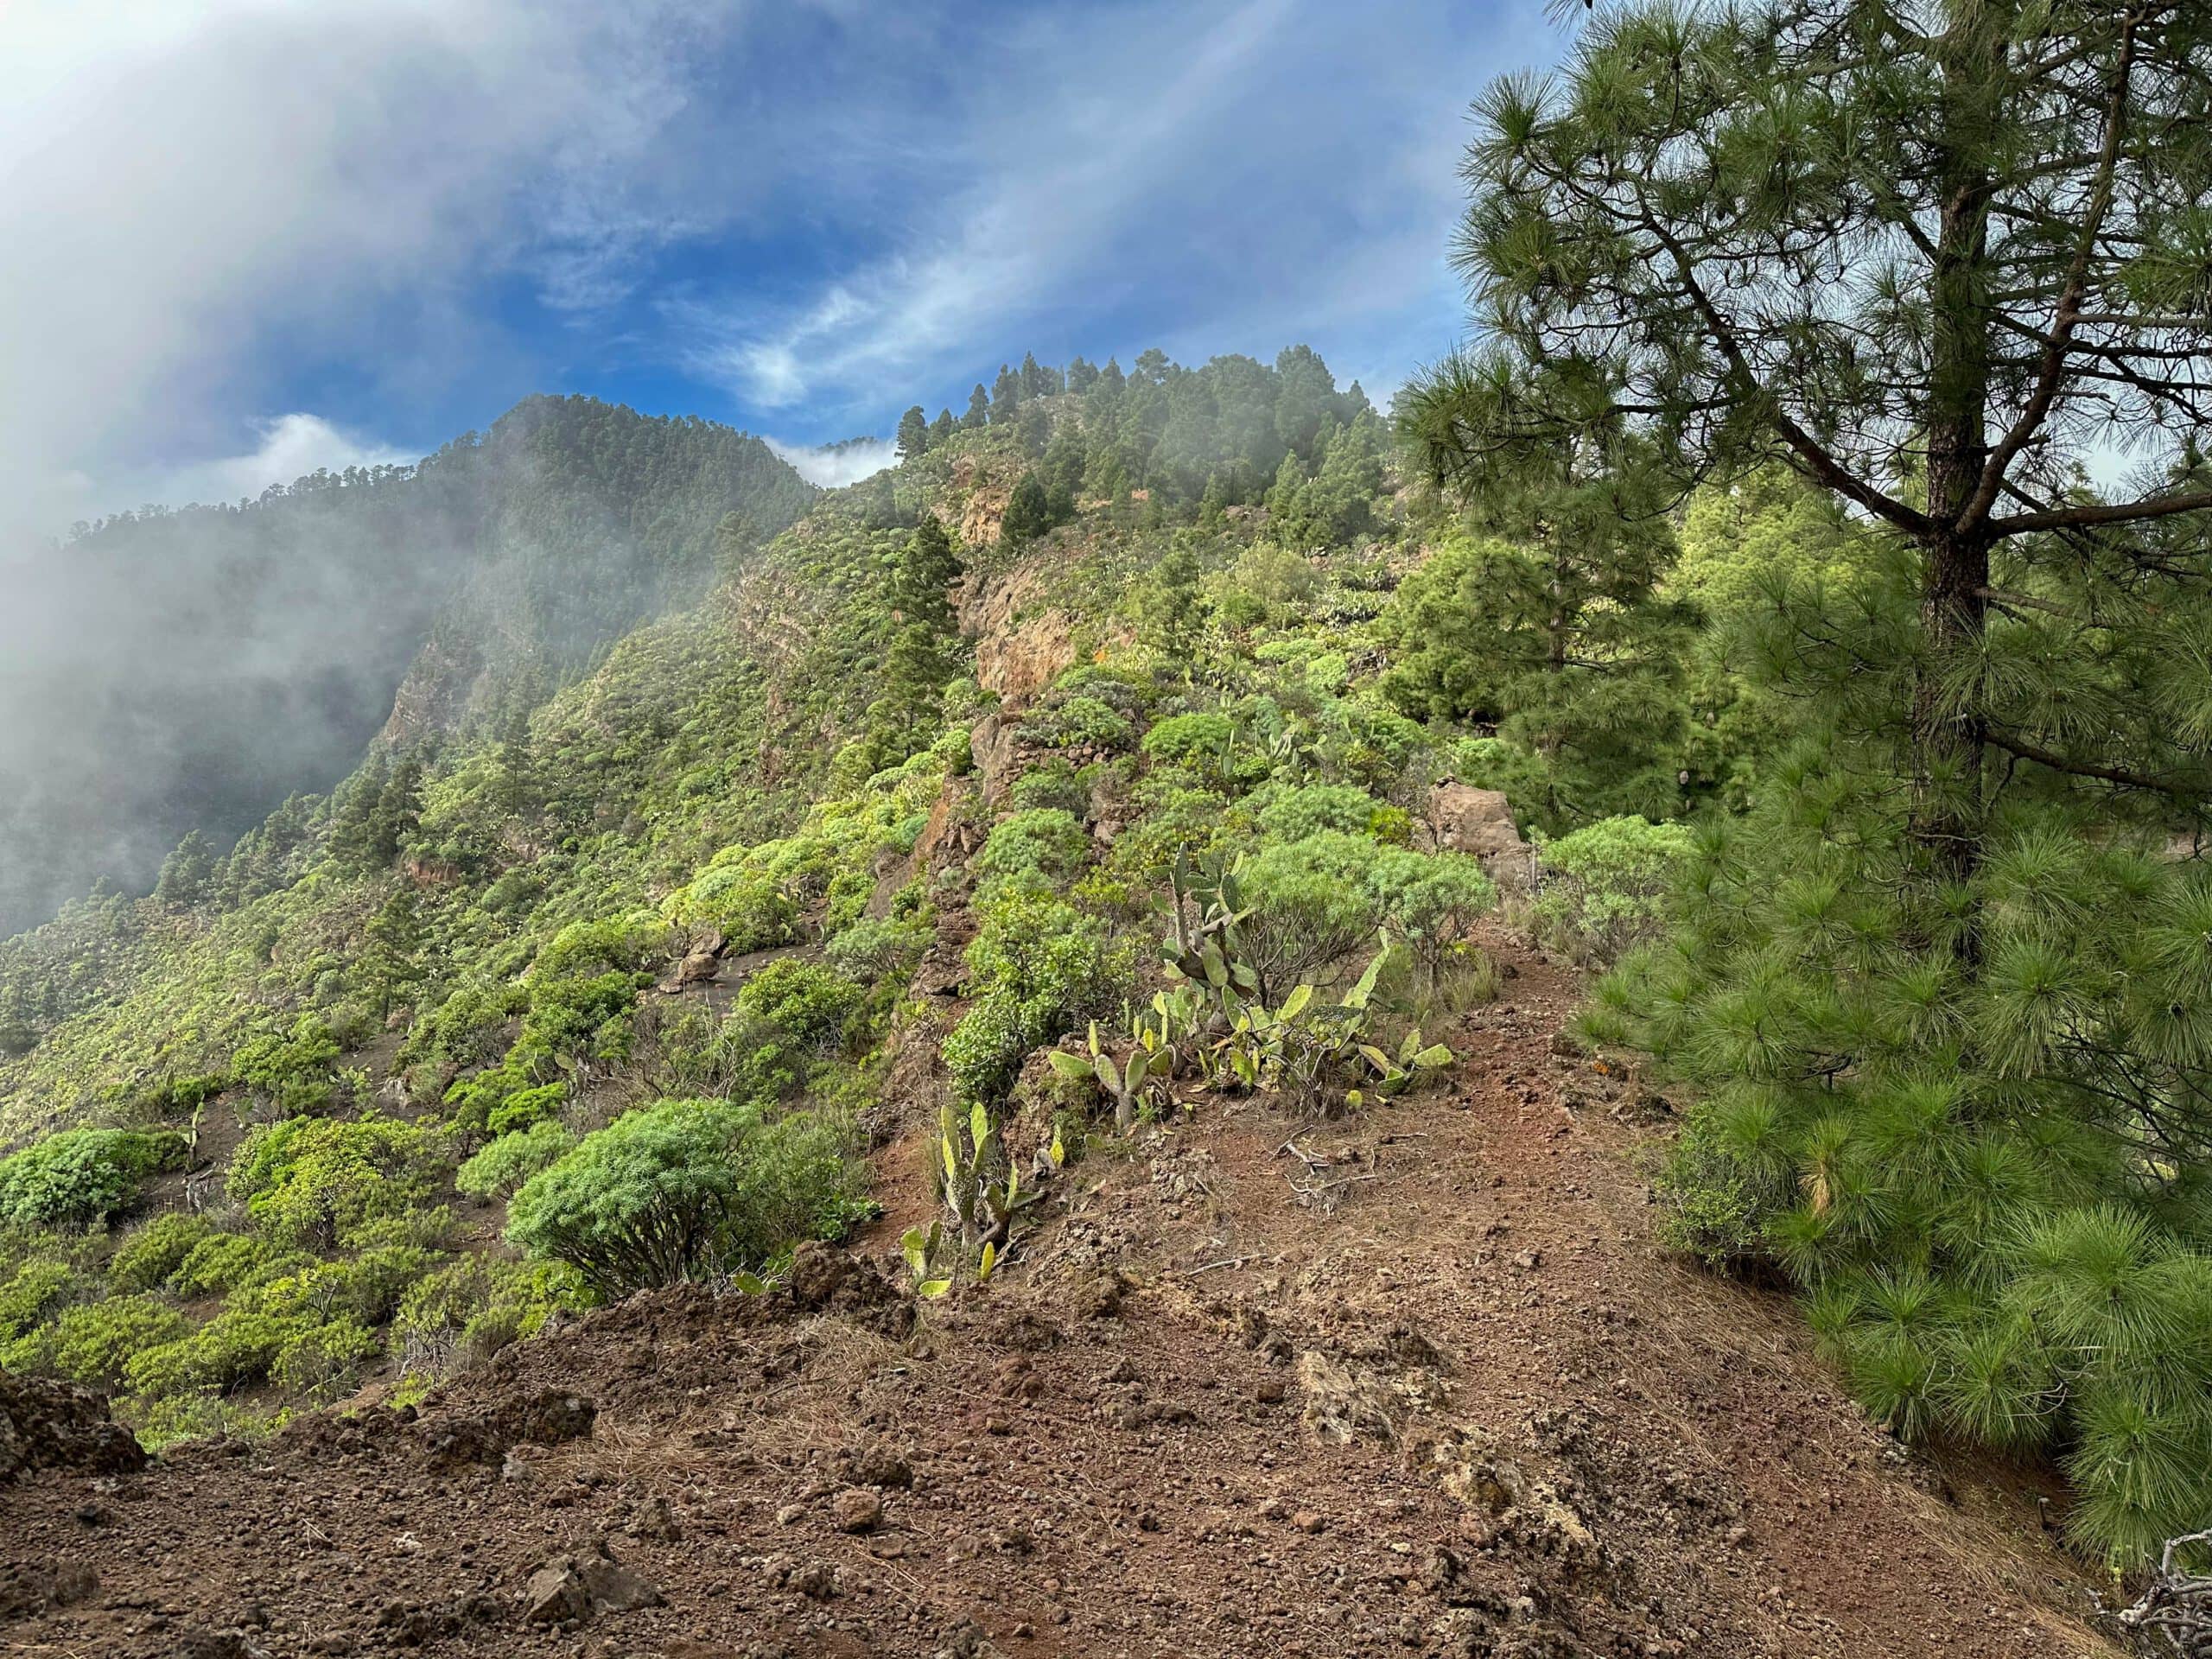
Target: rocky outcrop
[[1479, 822], [47, 1425]]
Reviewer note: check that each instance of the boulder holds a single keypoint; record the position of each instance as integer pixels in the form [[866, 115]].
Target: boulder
[[572, 1588], [1477, 821]]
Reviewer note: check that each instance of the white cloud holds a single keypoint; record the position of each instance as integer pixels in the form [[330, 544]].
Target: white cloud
[[833, 466], [291, 447], [1153, 159], [1070, 177], [182, 186]]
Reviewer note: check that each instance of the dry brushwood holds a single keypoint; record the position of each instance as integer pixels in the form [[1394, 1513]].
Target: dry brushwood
[[2178, 1604]]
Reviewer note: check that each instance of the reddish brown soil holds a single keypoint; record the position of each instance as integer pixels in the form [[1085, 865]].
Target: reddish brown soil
[[1456, 1402]]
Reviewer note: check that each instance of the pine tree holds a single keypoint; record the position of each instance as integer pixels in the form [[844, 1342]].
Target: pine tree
[[979, 408], [922, 574], [942, 428], [398, 811], [1006, 394], [1029, 512], [391, 949], [913, 435], [1948, 991], [1083, 374], [186, 873]]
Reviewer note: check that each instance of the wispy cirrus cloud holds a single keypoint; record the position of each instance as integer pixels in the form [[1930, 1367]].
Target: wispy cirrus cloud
[[1272, 164]]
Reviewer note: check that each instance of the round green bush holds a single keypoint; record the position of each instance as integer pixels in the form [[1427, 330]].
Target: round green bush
[[686, 1188], [81, 1176]]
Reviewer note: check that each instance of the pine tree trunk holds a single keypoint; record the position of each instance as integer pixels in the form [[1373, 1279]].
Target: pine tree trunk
[[1947, 734]]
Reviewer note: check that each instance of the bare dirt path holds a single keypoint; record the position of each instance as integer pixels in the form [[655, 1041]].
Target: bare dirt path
[[1453, 1402]]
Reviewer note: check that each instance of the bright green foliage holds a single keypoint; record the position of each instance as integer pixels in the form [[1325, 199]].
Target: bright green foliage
[[1078, 720], [1311, 903], [2016, 1137], [295, 1072], [1608, 886], [477, 1305], [222, 1262], [808, 1003], [308, 1180], [94, 1342], [82, 1176], [747, 908], [526, 1108], [1041, 848], [1293, 811], [1942, 992], [1561, 642], [146, 1259], [1038, 967], [686, 1188], [500, 1166]]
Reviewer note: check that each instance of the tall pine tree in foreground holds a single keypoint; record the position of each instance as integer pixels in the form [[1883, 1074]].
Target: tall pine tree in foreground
[[1947, 991]]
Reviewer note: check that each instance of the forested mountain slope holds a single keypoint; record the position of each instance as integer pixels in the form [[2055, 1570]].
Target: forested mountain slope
[[1129, 784], [171, 672]]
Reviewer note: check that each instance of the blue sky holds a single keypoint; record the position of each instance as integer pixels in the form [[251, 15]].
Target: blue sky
[[267, 234]]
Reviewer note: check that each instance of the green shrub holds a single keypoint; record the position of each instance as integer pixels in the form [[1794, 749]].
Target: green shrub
[[747, 908], [296, 1072], [466, 1026], [1316, 900], [1079, 719], [81, 1176], [1040, 849], [319, 1355], [146, 1259], [94, 1343], [30, 1293], [496, 1171], [1055, 785], [1604, 889], [1200, 742], [526, 1108], [220, 1262], [475, 1306], [985, 1051], [686, 1188], [1040, 968], [809, 1002], [1182, 823], [877, 950], [305, 1181], [1292, 812], [571, 1017]]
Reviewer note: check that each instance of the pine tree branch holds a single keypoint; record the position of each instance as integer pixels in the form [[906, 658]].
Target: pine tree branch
[[1822, 465], [2120, 775], [2051, 375], [2163, 506]]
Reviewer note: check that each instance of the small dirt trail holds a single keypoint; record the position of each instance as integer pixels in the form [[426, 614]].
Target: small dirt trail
[[1450, 1401]]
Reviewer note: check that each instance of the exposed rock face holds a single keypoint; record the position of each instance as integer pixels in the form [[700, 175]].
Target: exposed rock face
[[1478, 821], [47, 1425], [997, 751], [1463, 819]]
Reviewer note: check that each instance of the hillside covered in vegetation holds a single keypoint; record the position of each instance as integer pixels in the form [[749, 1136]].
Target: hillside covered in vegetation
[[164, 671], [1785, 653]]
